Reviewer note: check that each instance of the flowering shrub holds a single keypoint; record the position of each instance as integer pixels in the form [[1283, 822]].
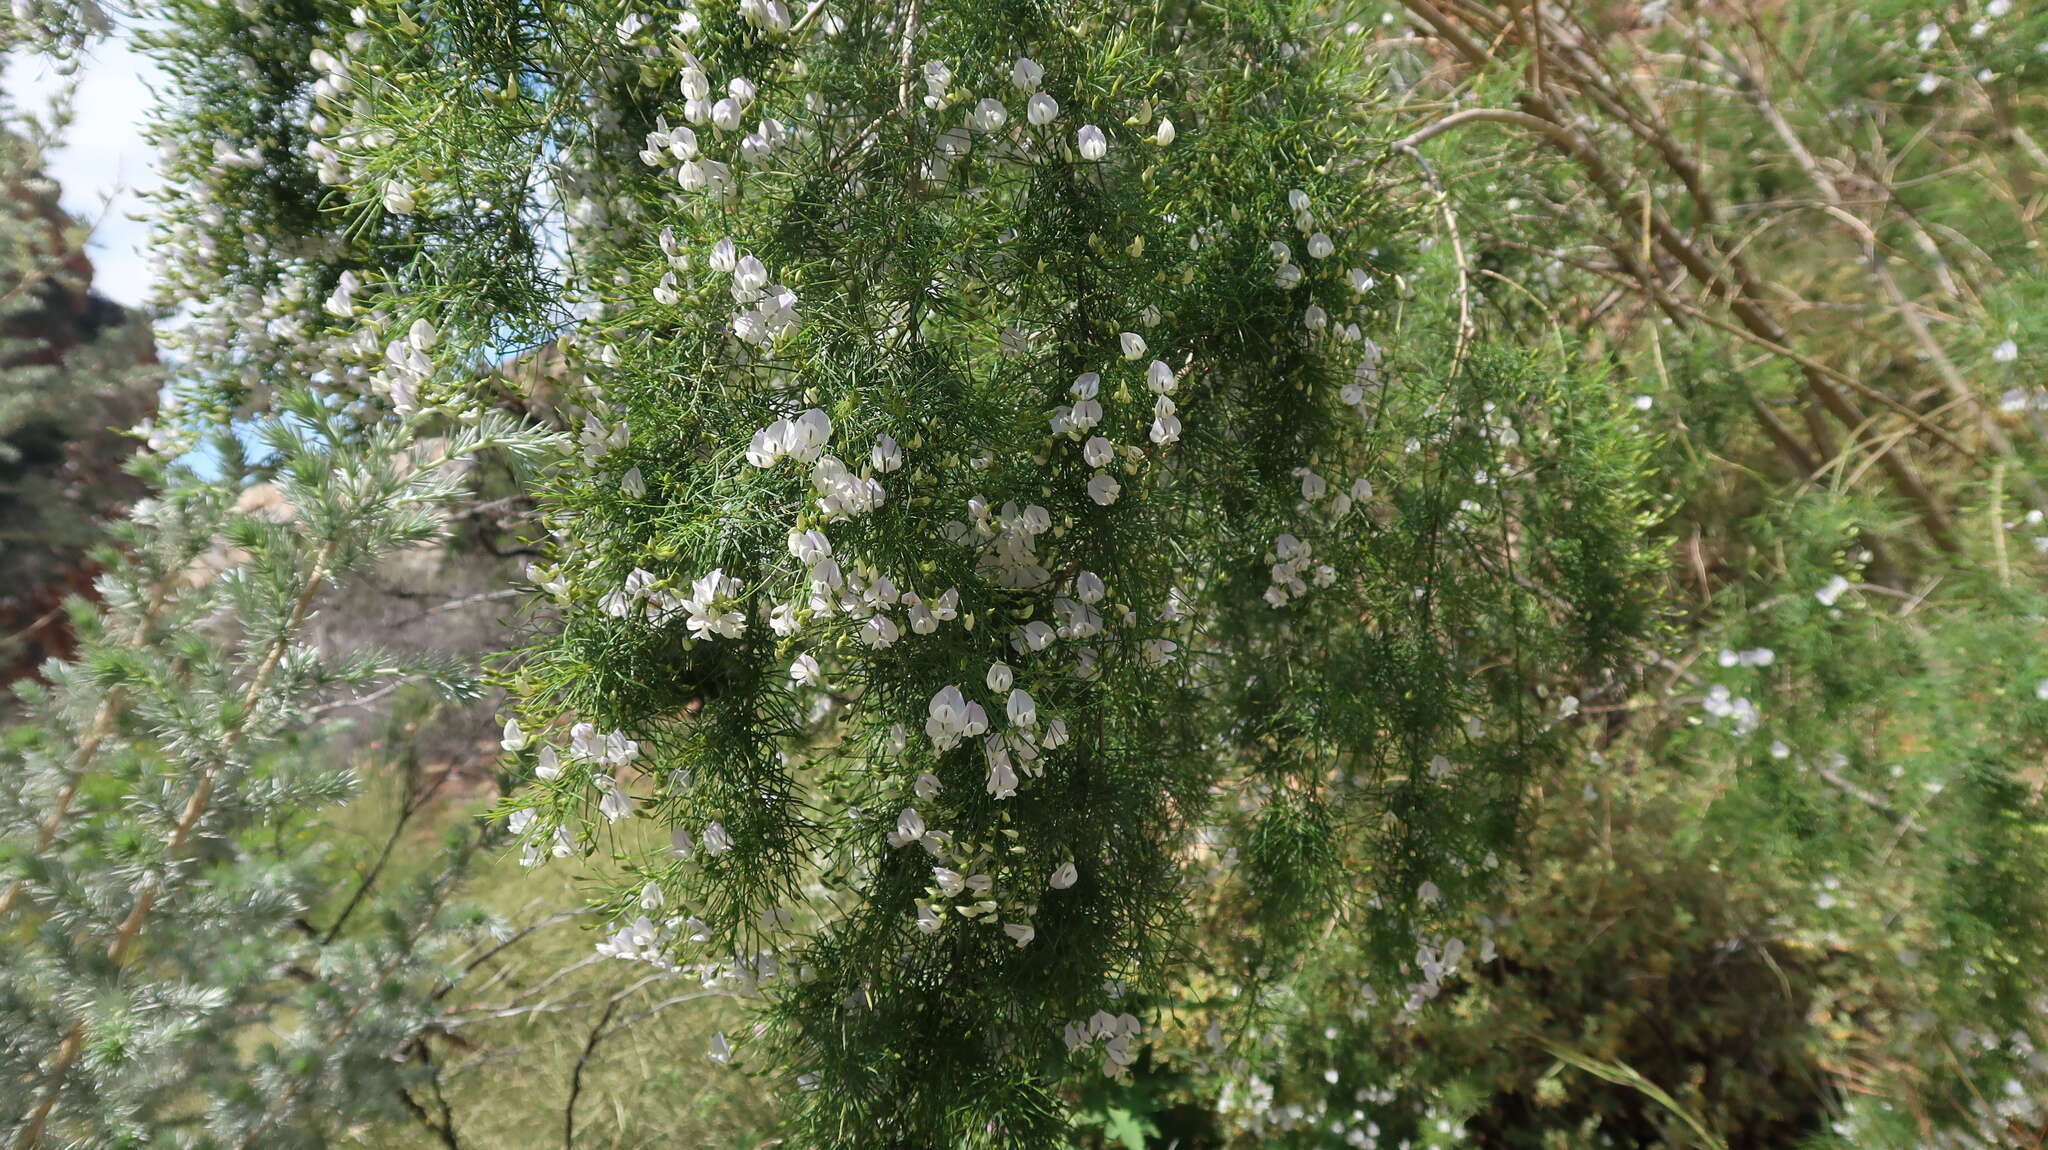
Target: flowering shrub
[[1002, 432]]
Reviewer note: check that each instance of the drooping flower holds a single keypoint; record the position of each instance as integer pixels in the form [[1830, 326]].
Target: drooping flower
[[1091, 143]]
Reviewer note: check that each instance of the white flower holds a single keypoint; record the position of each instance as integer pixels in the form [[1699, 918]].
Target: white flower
[[2005, 352], [717, 840], [518, 821], [947, 718], [1104, 488], [398, 198], [803, 439], [1160, 378], [989, 115], [886, 456], [1288, 276], [549, 768], [1166, 429], [1023, 932], [514, 739], [909, 828], [1165, 133], [1002, 779], [1022, 709], [708, 608], [1055, 734], [842, 493], [633, 484], [1320, 247], [1041, 109], [879, 631], [1831, 591], [721, 1050], [950, 882], [1091, 143], [1000, 677], [1026, 74], [1086, 385], [1132, 343], [928, 921], [804, 669], [1067, 875], [725, 114], [616, 804], [926, 788]]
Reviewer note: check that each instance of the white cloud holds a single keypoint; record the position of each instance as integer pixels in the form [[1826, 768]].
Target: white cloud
[[103, 162]]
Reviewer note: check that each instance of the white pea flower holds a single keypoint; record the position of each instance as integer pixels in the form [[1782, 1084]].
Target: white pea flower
[[879, 631], [518, 821], [950, 882], [725, 114], [1022, 709], [1314, 318], [1023, 932], [1098, 451], [926, 788], [1055, 734], [708, 608], [928, 921], [2005, 352], [1067, 875], [1086, 385], [1000, 677], [1026, 74], [1091, 143], [549, 767], [804, 670], [1288, 277], [947, 718], [1104, 489], [398, 198], [616, 804], [1165, 133], [1297, 201], [1002, 779], [909, 828], [1036, 635], [886, 455], [1320, 247], [1166, 429], [514, 739], [989, 115], [1041, 109], [633, 483], [717, 840], [725, 256], [1132, 343], [1160, 378]]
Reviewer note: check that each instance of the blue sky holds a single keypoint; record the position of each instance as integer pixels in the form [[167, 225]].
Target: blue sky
[[103, 163]]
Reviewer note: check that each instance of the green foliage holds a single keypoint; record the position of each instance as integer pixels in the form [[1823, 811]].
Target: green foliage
[[1277, 565]]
